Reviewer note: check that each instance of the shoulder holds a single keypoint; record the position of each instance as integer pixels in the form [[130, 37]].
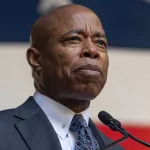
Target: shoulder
[[7, 112], [6, 117]]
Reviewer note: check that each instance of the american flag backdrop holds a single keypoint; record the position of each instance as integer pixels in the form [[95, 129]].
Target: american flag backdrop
[[127, 92]]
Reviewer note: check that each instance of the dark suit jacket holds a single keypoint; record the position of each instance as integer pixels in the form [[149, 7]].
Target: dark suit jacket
[[28, 128]]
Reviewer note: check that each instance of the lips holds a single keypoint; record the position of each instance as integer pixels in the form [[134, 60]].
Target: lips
[[90, 68]]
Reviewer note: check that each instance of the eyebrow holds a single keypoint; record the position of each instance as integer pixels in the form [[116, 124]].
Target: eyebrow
[[99, 34], [78, 31], [81, 31]]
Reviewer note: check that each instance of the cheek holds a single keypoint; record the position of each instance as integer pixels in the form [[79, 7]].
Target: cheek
[[63, 62], [51, 66], [67, 57], [105, 62]]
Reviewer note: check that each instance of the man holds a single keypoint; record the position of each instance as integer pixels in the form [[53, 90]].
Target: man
[[69, 61]]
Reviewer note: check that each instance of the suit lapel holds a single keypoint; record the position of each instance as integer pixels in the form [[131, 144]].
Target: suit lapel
[[97, 134], [35, 128], [102, 139]]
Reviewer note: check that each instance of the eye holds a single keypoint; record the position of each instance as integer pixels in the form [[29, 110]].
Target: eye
[[101, 43], [75, 38]]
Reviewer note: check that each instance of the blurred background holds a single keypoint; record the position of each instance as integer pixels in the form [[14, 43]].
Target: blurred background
[[127, 93]]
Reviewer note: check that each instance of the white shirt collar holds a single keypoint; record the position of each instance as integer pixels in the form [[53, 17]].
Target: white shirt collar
[[59, 115]]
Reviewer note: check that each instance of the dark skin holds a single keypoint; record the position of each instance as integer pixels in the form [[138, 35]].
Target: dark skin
[[68, 54]]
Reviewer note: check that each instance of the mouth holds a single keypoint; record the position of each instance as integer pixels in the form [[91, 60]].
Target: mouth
[[89, 69]]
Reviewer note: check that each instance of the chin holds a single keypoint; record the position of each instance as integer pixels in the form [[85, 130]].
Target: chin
[[87, 96], [92, 95], [84, 90], [87, 93]]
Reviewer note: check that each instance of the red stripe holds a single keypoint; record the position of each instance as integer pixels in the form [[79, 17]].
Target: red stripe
[[141, 132]]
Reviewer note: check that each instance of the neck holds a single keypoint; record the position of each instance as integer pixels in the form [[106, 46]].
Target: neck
[[76, 106]]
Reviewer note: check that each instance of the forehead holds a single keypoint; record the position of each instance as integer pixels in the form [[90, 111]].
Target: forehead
[[86, 21]]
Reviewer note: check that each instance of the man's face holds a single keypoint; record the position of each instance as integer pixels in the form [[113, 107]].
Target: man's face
[[75, 60]]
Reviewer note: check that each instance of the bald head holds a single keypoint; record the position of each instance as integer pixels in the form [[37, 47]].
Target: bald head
[[45, 26]]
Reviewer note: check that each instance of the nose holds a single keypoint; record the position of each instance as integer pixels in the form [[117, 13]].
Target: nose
[[90, 51]]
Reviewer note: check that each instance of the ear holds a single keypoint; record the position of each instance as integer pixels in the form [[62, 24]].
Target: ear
[[34, 58]]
